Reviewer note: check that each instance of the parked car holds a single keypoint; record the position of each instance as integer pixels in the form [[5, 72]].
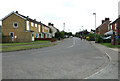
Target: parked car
[[109, 37]]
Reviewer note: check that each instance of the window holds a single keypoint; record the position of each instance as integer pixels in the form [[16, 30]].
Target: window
[[32, 24], [115, 26], [36, 35], [39, 35], [35, 25], [15, 24], [42, 28], [108, 27], [39, 28], [32, 34], [111, 27], [27, 25], [11, 34]]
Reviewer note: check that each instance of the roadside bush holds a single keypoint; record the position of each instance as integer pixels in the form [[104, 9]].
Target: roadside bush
[[119, 41], [59, 35], [90, 37], [99, 39]]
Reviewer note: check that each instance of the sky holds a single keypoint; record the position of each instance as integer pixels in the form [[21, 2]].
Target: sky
[[76, 14]]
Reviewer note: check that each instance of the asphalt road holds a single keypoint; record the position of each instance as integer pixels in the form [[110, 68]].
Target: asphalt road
[[70, 59]]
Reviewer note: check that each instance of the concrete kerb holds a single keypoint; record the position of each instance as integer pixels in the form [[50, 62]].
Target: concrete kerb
[[112, 56]]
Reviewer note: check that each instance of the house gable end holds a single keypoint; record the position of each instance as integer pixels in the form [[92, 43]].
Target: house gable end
[[11, 14]]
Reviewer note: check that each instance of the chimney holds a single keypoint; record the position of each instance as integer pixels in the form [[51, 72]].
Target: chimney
[[103, 21], [49, 24], [16, 12], [106, 19], [34, 19], [27, 16], [52, 25]]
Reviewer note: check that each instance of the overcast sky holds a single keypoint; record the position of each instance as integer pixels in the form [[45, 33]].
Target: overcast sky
[[74, 13]]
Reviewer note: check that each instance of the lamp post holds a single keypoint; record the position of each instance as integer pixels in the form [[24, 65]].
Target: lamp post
[[95, 25], [82, 31], [63, 29]]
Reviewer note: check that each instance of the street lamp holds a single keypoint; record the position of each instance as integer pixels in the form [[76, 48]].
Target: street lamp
[[95, 25]]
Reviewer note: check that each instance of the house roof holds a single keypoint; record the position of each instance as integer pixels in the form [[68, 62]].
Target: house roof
[[100, 25], [26, 18], [115, 21], [11, 14], [22, 16]]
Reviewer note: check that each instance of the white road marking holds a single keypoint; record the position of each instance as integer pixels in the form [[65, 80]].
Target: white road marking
[[72, 44], [110, 59]]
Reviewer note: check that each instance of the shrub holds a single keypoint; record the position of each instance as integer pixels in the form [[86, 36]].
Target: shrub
[[99, 38]]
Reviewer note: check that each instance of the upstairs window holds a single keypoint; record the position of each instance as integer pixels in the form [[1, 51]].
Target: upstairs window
[[108, 27], [32, 24], [115, 26], [35, 25], [15, 24], [111, 27]]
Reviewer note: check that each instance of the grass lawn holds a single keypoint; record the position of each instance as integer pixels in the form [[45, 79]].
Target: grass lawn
[[17, 48], [26, 43], [6, 47], [111, 46]]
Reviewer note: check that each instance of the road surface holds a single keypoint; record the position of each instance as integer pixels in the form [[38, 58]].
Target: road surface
[[70, 59]]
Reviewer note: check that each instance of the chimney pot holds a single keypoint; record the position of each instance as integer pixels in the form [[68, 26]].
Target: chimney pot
[[103, 21], [106, 19], [16, 11]]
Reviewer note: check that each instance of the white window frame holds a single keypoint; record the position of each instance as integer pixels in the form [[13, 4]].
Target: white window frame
[[28, 27], [111, 27], [42, 28], [32, 24], [36, 25], [115, 26], [39, 28], [14, 25]]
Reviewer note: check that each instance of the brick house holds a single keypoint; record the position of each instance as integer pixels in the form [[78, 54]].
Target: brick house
[[115, 27], [103, 28], [22, 28]]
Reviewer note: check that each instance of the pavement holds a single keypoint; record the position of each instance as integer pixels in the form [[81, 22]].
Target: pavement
[[112, 67], [70, 59]]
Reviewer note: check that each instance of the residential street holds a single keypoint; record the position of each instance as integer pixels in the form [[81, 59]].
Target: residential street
[[72, 58]]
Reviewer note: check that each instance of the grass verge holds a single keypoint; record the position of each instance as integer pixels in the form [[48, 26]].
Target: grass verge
[[26, 43], [109, 45], [17, 48]]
